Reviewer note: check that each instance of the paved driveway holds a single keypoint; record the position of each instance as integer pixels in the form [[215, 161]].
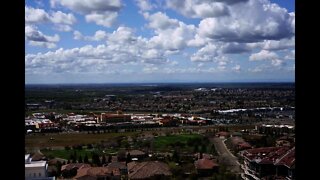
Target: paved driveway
[[225, 156]]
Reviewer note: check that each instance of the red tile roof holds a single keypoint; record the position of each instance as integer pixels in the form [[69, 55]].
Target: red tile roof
[[222, 133], [146, 170], [288, 159], [271, 155], [74, 165], [90, 172], [205, 164]]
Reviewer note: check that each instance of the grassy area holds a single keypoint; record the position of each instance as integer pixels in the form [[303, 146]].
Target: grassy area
[[163, 142], [62, 140], [65, 154]]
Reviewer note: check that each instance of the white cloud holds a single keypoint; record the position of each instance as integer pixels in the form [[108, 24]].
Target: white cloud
[[171, 34], [267, 55], [106, 19], [290, 55], [277, 62], [98, 36], [263, 55], [37, 38], [122, 47], [145, 5], [33, 15], [101, 12], [63, 27], [278, 44], [63, 18], [237, 68], [150, 69], [160, 21], [253, 21], [62, 21], [199, 8], [198, 41], [256, 69], [210, 53]]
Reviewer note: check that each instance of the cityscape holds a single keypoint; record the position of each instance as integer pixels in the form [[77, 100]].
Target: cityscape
[[249, 133], [149, 89]]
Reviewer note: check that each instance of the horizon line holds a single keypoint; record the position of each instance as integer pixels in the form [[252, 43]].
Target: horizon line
[[226, 82]]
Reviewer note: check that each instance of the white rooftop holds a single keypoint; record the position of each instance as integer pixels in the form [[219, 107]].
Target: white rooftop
[[36, 164]]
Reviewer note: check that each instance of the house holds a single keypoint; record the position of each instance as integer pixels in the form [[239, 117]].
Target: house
[[237, 144], [97, 173], [223, 134], [269, 161], [205, 166], [121, 166], [136, 154], [38, 156], [70, 170], [148, 170], [36, 169]]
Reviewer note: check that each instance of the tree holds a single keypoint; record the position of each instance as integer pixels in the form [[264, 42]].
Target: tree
[[74, 160], [203, 148], [80, 159], [196, 148], [175, 156], [96, 159], [103, 161], [109, 158], [85, 159], [128, 159]]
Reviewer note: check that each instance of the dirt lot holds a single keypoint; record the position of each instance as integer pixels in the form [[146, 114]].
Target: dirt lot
[[56, 140]]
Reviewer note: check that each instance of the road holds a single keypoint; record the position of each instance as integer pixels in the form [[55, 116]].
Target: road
[[225, 156]]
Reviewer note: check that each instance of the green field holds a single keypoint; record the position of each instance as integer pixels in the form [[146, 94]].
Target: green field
[[65, 154], [164, 142]]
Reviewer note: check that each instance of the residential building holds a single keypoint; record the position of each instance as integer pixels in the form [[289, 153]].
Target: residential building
[[36, 170], [97, 173], [206, 166], [269, 161], [148, 170]]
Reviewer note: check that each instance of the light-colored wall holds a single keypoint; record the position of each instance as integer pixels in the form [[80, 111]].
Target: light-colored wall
[[29, 172]]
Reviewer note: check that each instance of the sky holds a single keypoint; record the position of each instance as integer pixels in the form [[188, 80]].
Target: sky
[[143, 41]]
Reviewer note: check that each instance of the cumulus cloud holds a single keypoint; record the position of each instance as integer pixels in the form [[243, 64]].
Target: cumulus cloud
[[122, 47], [211, 53], [171, 34], [37, 38], [205, 54], [237, 68], [33, 15], [106, 19], [62, 18], [267, 55], [264, 21], [263, 55], [290, 55], [98, 36], [101, 12], [199, 8], [160, 21], [62, 21], [145, 5]]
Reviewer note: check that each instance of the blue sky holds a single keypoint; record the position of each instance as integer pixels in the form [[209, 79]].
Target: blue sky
[[117, 41]]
